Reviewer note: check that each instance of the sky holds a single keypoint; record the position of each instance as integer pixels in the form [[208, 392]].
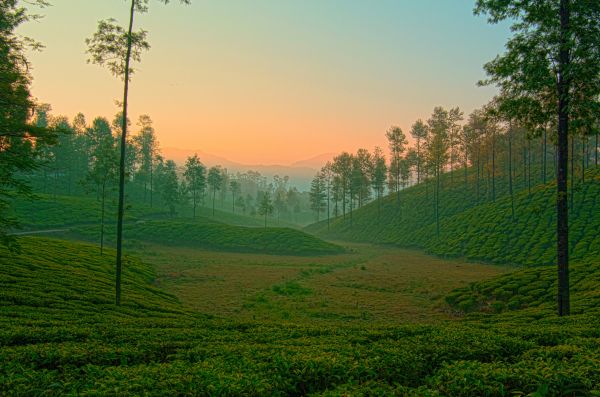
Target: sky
[[272, 81]]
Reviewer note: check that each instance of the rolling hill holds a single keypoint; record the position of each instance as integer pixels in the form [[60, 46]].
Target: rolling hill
[[476, 229]]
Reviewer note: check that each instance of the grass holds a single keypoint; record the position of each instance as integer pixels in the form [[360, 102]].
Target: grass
[[209, 234], [59, 335], [480, 231], [366, 285]]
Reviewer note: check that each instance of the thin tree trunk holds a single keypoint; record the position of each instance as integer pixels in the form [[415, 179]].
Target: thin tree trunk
[[583, 157], [493, 167], [529, 167], [510, 175], [572, 173], [102, 219], [122, 162], [437, 204], [544, 156], [562, 210]]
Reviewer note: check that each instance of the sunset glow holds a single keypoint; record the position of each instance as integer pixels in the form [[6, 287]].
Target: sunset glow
[[273, 82]]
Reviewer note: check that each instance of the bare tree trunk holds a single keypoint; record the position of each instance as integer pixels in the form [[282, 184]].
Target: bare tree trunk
[[122, 162]]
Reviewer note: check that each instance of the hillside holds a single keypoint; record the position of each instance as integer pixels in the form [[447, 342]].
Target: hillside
[[483, 231], [48, 211], [60, 335], [209, 234], [533, 289]]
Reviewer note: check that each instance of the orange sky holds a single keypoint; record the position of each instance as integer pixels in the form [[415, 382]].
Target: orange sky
[[273, 82]]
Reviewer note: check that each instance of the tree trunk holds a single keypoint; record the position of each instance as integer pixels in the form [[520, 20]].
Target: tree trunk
[[213, 201], [529, 168], [493, 167], [102, 219], [544, 156], [510, 174], [437, 203], [122, 162], [571, 196], [562, 210]]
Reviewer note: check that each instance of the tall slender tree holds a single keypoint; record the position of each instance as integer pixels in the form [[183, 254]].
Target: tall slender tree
[[553, 59], [116, 47]]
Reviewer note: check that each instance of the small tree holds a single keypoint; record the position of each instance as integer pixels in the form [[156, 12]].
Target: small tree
[[215, 181], [397, 144], [195, 176], [103, 167], [265, 205], [235, 189], [170, 187], [318, 194]]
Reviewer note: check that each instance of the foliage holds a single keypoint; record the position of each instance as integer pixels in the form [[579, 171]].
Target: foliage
[[209, 234], [58, 338]]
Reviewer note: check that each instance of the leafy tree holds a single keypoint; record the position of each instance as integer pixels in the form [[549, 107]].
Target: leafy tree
[[397, 144], [116, 47], [419, 133], [236, 190], [103, 167], [195, 176], [146, 146], [265, 205], [342, 168], [318, 194], [378, 176], [20, 141], [215, 182], [327, 173], [552, 63], [437, 146], [170, 191]]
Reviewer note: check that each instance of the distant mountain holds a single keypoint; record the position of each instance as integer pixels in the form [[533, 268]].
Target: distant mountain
[[300, 172], [316, 162]]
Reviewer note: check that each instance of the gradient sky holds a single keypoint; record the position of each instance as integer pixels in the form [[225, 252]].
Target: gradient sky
[[273, 81]]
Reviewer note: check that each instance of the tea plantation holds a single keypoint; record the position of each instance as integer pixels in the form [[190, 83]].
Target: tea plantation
[[209, 234], [481, 231], [61, 335]]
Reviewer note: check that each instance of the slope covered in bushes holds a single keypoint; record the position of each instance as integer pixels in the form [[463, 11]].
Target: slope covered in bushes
[[475, 230], [60, 335], [212, 235], [530, 288]]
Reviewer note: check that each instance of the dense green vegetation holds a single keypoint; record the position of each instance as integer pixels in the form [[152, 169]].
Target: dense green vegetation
[[530, 288], [49, 211], [479, 231], [60, 336], [209, 234]]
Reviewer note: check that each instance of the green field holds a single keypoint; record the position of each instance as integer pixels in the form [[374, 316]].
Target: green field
[[60, 334]]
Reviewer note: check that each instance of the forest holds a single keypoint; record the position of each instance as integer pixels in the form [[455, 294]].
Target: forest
[[460, 258]]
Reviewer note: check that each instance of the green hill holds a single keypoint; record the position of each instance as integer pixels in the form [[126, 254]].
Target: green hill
[[60, 335], [530, 288], [482, 231], [48, 211], [212, 235]]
